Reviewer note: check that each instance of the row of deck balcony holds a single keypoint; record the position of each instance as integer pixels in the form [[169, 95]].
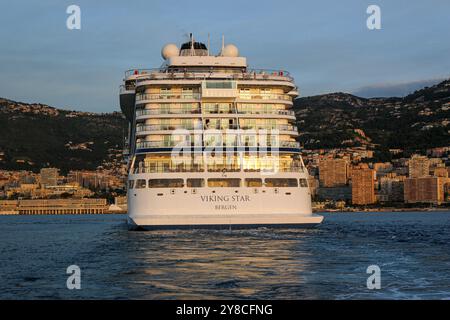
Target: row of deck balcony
[[231, 110], [214, 143], [210, 73], [180, 168], [218, 126], [197, 96]]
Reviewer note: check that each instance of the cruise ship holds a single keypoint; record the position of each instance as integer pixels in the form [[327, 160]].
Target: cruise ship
[[212, 143]]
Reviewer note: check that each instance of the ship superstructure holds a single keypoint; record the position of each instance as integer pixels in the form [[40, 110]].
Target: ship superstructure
[[212, 143]]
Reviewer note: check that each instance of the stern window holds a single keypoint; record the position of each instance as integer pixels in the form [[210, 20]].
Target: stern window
[[303, 183], [141, 184], [195, 183], [224, 183], [253, 183], [281, 183], [165, 183]]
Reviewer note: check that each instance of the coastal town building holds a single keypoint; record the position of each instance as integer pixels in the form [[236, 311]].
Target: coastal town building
[[419, 166], [391, 188], [363, 185], [425, 190], [441, 172], [54, 206], [63, 206], [49, 176], [333, 172]]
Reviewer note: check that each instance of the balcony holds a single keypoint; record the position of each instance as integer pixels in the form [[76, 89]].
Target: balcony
[[162, 111], [157, 144], [162, 127], [218, 110], [168, 168], [260, 111], [265, 96], [287, 127], [174, 74], [180, 96]]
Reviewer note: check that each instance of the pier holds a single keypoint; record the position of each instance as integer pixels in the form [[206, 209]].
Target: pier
[[55, 206]]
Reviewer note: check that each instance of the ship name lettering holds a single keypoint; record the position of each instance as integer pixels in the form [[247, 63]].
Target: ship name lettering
[[225, 198]]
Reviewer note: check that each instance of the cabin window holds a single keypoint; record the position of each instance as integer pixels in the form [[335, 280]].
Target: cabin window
[[281, 183], [165, 183], [253, 182], [219, 85], [141, 184], [303, 183], [195, 183], [130, 184], [224, 183]]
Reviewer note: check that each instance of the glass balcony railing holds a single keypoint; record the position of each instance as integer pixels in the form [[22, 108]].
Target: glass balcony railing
[[265, 96], [260, 111], [149, 112], [289, 144], [219, 126], [168, 168], [214, 143], [218, 110], [249, 74], [269, 127], [163, 127], [156, 144], [151, 96]]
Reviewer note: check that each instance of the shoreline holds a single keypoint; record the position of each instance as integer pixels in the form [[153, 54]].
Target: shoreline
[[355, 210]]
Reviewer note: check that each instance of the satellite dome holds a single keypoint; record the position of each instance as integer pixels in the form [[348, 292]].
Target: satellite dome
[[230, 50], [170, 50]]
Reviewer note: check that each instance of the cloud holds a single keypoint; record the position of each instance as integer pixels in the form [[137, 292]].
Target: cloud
[[394, 89]]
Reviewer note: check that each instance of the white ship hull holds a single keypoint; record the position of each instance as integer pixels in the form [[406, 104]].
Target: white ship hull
[[242, 207]]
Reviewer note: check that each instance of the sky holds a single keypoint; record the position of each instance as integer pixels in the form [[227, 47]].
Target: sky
[[326, 45]]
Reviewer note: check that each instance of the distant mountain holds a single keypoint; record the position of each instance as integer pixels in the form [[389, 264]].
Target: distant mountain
[[36, 135], [416, 122]]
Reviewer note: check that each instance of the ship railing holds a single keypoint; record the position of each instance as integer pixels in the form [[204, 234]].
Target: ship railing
[[138, 72], [218, 110], [146, 112], [213, 168], [124, 88], [211, 126], [174, 74], [210, 143], [149, 96], [260, 111], [157, 127], [290, 144], [156, 144], [265, 96], [166, 168], [274, 127]]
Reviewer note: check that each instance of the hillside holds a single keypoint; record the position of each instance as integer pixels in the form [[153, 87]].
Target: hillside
[[414, 123], [35, 135]]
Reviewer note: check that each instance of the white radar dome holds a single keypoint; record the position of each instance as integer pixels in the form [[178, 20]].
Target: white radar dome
[[170, 50], [230, 50]]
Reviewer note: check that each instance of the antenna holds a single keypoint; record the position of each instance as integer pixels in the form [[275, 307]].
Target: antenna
[[223, 44], [209, 40], [192, 44]]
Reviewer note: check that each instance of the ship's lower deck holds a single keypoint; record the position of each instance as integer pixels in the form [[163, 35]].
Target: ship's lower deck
[[222, 200]]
